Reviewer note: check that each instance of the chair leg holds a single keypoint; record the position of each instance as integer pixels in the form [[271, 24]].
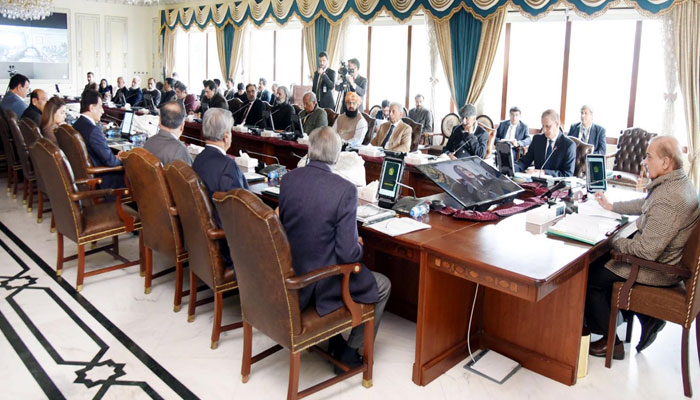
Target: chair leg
[[142, 256], [59, 256], [247, 351], [40, 210], [148, 261], [53, 223], [9, 177], [14, 184], [25, 183], [216, 328], [30, 196], [630, 324], [294, 363], [81, 267], [687, 390], [697, 336], [368, 353], [612, 334], [193, 297], [115, 246], [178, 286]]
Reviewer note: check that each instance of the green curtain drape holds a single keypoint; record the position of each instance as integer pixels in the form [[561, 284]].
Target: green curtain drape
[[322, 32], [229, 32], [465, 32]]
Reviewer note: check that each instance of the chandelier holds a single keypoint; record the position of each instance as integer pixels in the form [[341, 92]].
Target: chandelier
[[26, 9]]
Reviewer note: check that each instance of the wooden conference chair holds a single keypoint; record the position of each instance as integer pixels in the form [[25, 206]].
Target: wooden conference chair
[[371, 123], [31, 133], [631, 151], [14, 168], [268, 291], [332, 115], [582, 150], [416, 130], [27, 168]]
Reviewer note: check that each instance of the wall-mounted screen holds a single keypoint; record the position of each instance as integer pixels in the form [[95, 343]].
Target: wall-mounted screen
[[36, 49]]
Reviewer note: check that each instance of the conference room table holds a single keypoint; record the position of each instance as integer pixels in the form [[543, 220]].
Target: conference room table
[[530, 288]]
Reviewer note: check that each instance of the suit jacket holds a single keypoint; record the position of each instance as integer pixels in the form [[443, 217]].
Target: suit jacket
[[32, 113], [122, 91], [323, 88], [264, 95], [317, 119], [219, 173], [596, 136], [466, 145], [242, 97], [134, 96], [168, 96], [282, 115], [218, 101], [167, 148], [155, 95], [318, 210], [522, 132], [13, 103], [99, 152], [254, 116], [360, 88], [191, 103], [400, 140], [560, 163]]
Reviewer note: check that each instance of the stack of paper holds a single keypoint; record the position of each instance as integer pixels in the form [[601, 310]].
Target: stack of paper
[[583, 228], [399, 226], [371, 213]]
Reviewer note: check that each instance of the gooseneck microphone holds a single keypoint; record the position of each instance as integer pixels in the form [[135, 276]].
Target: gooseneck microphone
[[554, 148]]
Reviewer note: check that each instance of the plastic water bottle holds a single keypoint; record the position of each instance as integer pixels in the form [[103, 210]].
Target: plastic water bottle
[[419, 210]]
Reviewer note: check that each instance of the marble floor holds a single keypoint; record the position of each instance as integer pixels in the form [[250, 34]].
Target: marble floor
[[114, 341]]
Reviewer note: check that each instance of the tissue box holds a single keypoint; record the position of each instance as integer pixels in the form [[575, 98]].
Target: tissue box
[[248, 170], [244, 162], [371, 151], [267, 133]]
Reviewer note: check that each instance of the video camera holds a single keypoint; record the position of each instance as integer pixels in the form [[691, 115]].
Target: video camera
[[344, 71]]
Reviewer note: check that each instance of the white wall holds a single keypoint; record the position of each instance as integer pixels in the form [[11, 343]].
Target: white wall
[[130, 26]]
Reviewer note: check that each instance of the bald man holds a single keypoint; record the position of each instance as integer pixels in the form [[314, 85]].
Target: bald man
[[38, 100], [668, 215], [351, 125]]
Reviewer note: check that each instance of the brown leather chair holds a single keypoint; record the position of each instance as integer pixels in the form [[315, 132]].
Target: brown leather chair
[[487, 123], [631, 150], [582, 150], [297, 109], [14, 168], [298, 92], [202, 241], [268, 292], [28, 174], [374, 110], [161, 226], [448, 123], [332, 115], [416, 130], [31, 133], [234, 104], [678, 304], [267, 105], [81, 221], [371, 122]]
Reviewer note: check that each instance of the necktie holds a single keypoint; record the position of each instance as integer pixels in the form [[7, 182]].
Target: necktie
[[388, 136], [511, 132], [245, 116], [548, 152], [584, 134]]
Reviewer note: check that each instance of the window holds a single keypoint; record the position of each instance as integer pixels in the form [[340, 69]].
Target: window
[[437, 99], [261, 57], [288, 63], [489, 102], [388, 70], [196, 57]]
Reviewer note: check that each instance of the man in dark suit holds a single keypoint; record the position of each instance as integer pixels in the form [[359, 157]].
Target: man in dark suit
[[166, 145], [16, 93], [99, 152], [514, 131], [552, 152], [120, 94], [318, 210], [263, 93], [153, 92], [189, 101], [214, 98], [468, 139], [589, 132], [134, 95], [252, 112], [355, 83], [38, 99], [323, 83], [312, 116], [168, 90]]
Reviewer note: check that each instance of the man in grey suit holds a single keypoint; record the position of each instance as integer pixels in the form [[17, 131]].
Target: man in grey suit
[[14, 98], [166, 145], [312, 116]]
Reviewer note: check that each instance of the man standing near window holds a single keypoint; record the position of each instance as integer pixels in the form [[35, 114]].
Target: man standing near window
[[323, 82], [589, 132]]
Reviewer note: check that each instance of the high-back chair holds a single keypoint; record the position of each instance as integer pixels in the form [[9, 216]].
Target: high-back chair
[[679, 304], [14, 168], [269, 287], [81, 221], [487, 123], [332, 115], [27, 169], [416, 130], [371, 122], [31, 133], [631, 151], [582, 150], [202, 241], [161, 231], [234, 104]]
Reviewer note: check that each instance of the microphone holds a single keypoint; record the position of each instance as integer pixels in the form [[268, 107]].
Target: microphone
[[547, 159], [268, 114], [263, 154], [460, 147], [111, 118]]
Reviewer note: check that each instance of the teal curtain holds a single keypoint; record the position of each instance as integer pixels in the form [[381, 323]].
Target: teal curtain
[[465, 33], [322, 29], [229, 33]]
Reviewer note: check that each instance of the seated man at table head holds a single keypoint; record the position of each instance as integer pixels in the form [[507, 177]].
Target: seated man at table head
[[53, 116], [134, 95], [552, 152], [589, 132], [351, 125], [263, 94], [668, 215], [37, 99], [394, 135], [312, 116], [120, 94], [168, 90], [469, 138], [218, 172], [189, 101], [324, 82], [421, 114], [17, 91], [166, 145], [355, 82], [214, 98], [514, 131], [282, 111], [98, 150], [318, 211], [252, 111], [153, 92]]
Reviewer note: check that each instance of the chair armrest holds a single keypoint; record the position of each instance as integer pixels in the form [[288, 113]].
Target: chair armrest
[[92, 183], [611, 155], [91, 194], [214, 234], [172, 211], [104, 170], [669, 269], [298, 282]]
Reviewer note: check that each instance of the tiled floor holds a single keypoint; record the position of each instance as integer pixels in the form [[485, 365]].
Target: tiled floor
[[113, 340]]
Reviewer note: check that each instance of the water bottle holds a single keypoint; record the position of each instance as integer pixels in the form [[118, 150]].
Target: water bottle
[[419, 210]]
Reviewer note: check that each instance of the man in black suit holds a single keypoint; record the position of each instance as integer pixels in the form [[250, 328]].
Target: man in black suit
[[168, 90], [120, 94], [263, 93], [153, 92], [469, 138], [323, 82], [318, 211], [38, 99], [240, 93], [213, 97], [355, 83], [589, 132], [552, 152], [166, 145], [514, 131], [99, 152], [134, 95], [252, 112]]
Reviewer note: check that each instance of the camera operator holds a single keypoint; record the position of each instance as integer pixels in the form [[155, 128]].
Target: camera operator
[[350, 80]]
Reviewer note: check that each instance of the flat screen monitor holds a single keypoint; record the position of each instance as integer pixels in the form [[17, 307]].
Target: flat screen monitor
[[471, 181], [595, 173], [390, 176], [127, 122]]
